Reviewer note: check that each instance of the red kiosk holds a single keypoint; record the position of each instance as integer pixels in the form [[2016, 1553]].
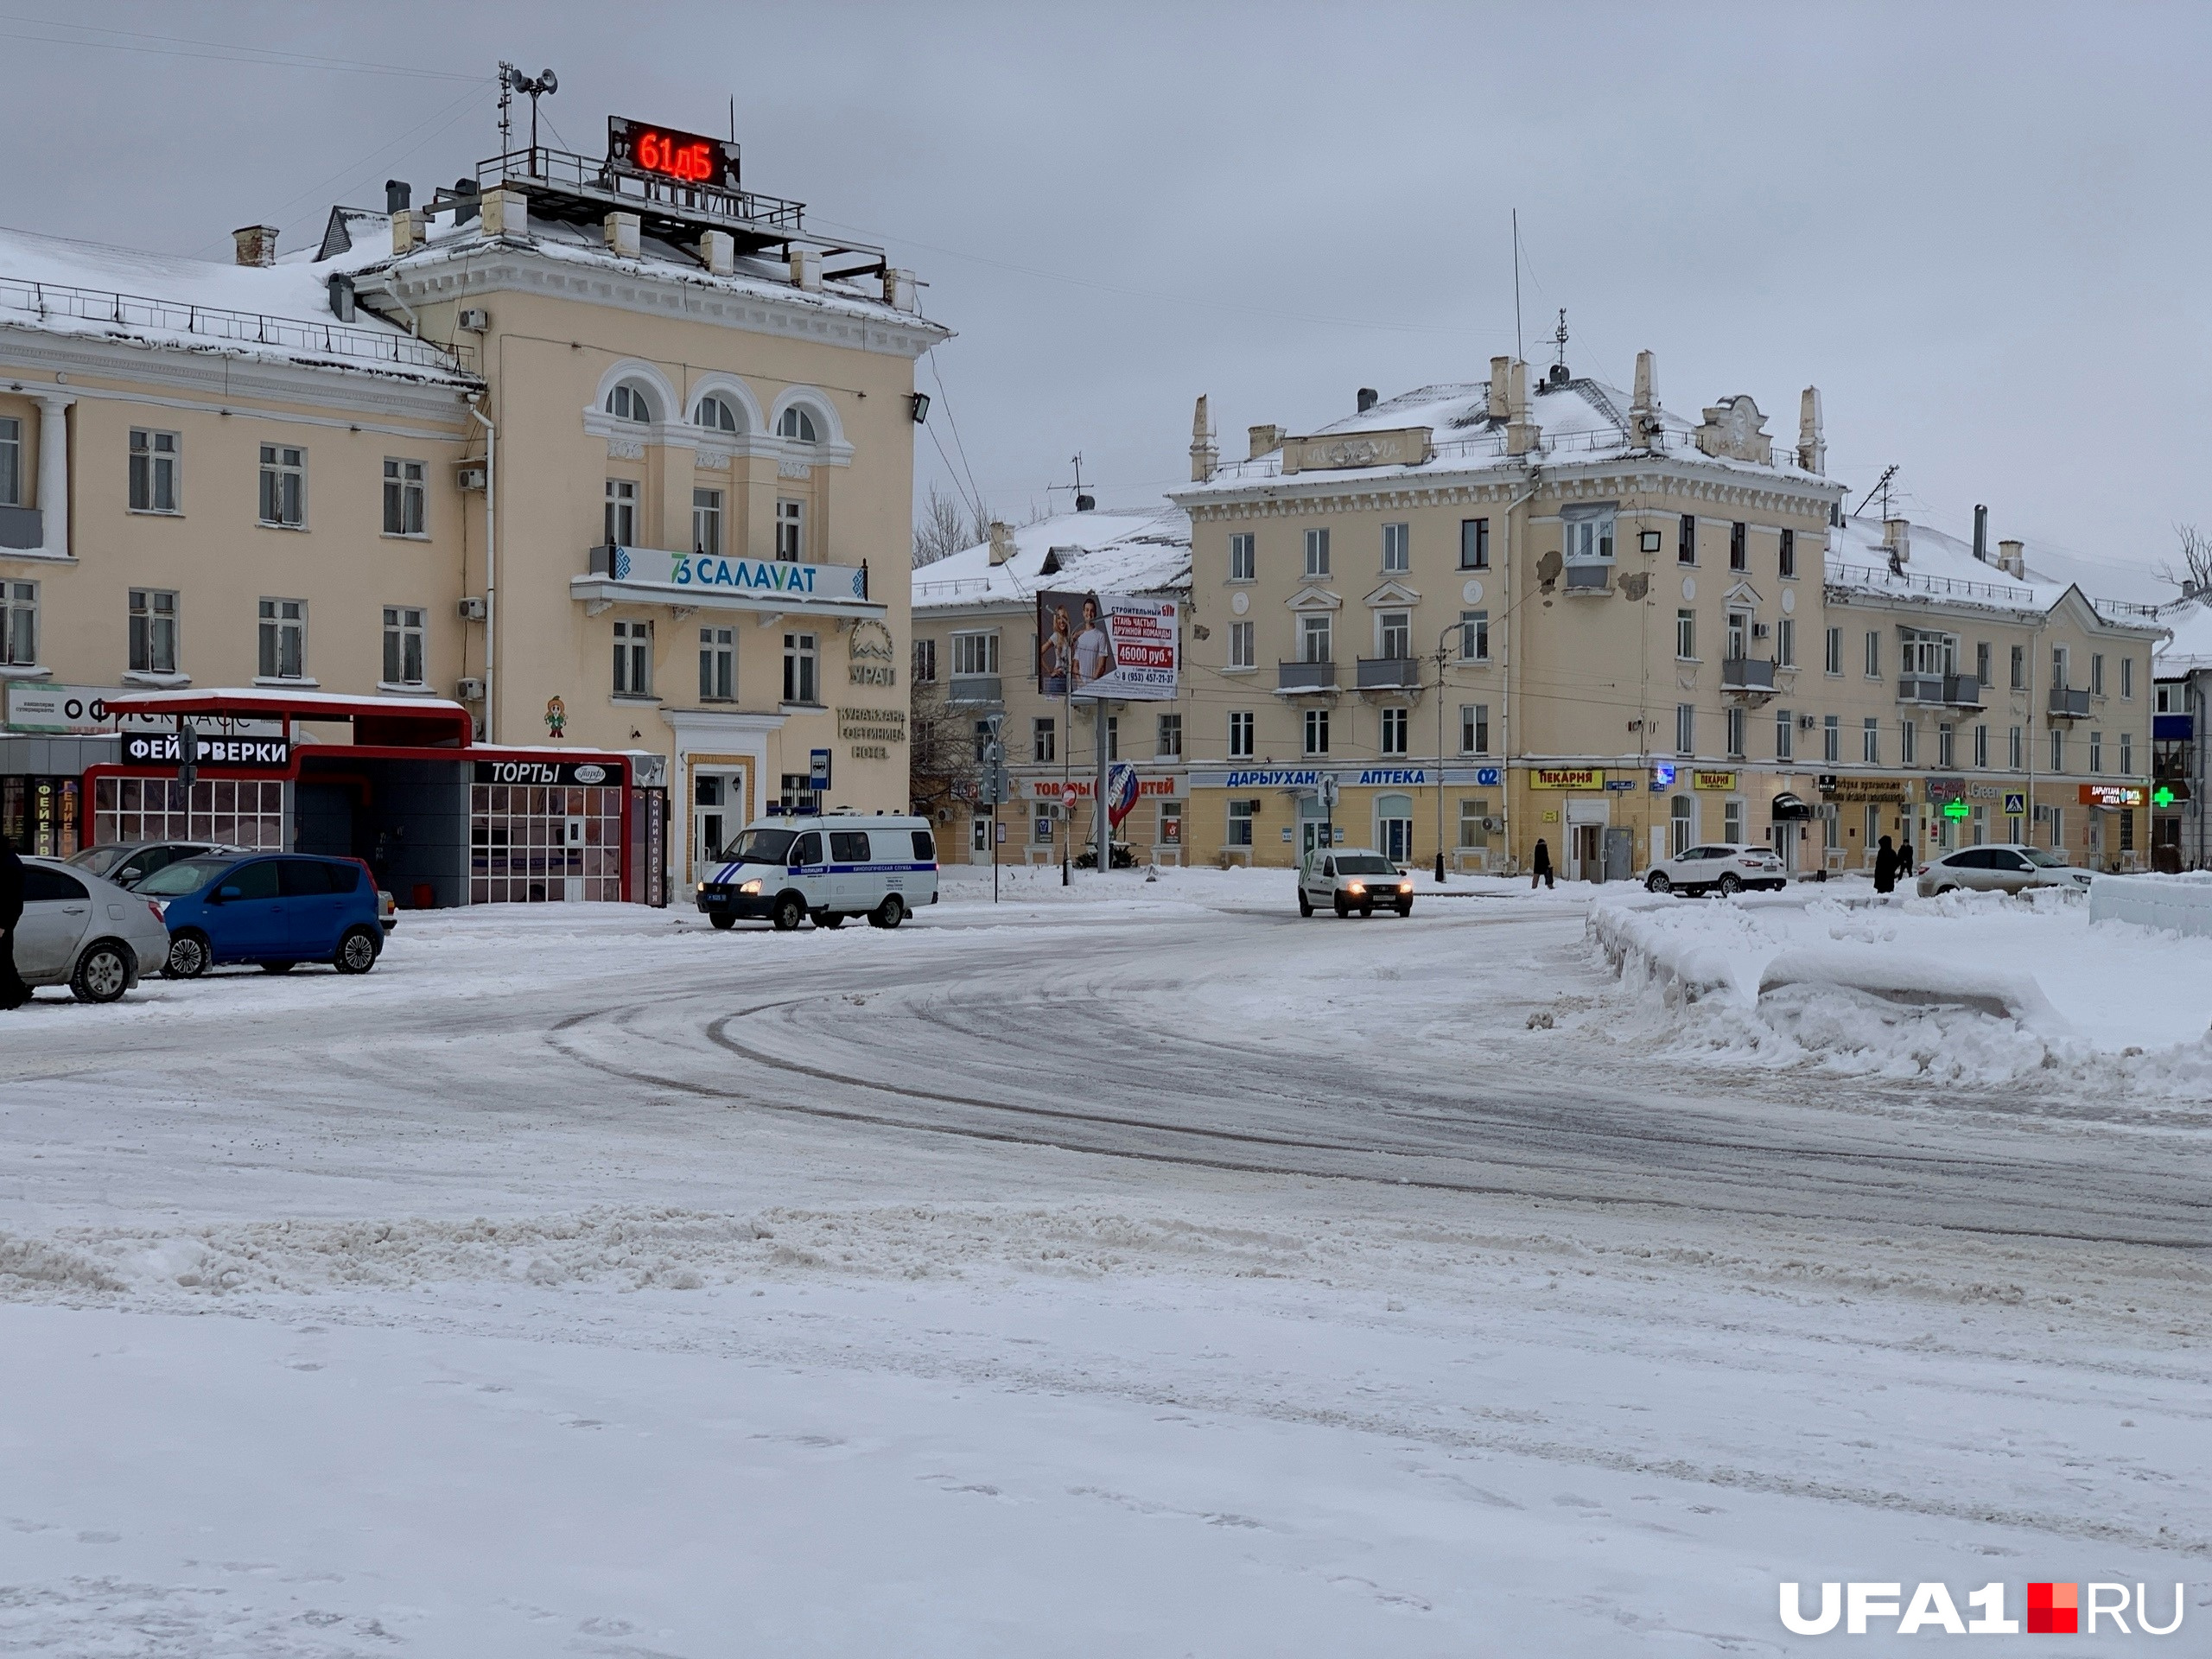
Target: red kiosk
[[398, 782]]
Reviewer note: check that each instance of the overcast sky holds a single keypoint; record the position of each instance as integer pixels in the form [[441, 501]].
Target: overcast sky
[[1980, 231]]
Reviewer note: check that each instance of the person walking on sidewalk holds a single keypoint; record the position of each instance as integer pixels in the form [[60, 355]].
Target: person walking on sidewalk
[[1885, 866], [1540, 867], [13, 992], [1906, 858]]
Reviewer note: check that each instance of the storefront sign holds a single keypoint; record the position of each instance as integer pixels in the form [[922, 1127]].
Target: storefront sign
[[547, 773], [1868, 792], [873, 658], [1489, 776], [768, 578], [81, 711], [1723, 780], [2113, 795], [1080, 789], [1620, 783], [1946, 789], [1566, 777], [1662, 777], [872, 725], [247, 753], [1389, 777]]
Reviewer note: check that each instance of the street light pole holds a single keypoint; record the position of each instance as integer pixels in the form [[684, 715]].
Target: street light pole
[[1443, 656]]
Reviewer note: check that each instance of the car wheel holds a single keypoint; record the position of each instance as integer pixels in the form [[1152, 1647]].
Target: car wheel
[[721, 919], [889, 914], [190, 956], [1948, 886], [278, 967], [1343, 910], [830, 918], [1367, 910], [1730, 885], [1304, 905], [357, 951], [1405, 906], [1657, 882], [790, 912], [102, 973]]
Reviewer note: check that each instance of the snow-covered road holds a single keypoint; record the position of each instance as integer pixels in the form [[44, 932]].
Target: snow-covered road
[[1147, 1273]]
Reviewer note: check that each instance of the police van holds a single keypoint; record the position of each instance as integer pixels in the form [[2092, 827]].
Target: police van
[[828, 867]]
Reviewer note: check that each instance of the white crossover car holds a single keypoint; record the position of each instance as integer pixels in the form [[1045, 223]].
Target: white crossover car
[[2004, 866], [1717, 867], [1353, 878], [82, 930]]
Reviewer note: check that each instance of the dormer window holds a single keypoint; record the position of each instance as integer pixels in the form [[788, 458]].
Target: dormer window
[[797, 425], [715, 415], [628, 403]]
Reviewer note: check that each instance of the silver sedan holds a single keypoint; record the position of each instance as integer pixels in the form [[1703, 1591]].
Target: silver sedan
[[82, 930]]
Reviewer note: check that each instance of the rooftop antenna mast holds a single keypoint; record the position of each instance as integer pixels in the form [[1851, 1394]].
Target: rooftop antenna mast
[[512, 79], [1517, 285], [506, 106], [1881, 488], [1559, 339]]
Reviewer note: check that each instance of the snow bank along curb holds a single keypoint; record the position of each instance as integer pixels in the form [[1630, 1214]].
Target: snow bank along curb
[[2175, 904], [1692, 957]]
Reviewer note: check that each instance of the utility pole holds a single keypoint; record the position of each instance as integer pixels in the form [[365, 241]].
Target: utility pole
[[1067, 772], [1443, 659], [1102, 830], [994, 787]]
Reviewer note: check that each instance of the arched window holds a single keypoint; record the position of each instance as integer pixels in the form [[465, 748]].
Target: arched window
[[715, 415], [629, 402], [797, 423]]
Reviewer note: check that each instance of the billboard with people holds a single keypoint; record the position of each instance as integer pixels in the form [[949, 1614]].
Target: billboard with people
[[1111, 645]]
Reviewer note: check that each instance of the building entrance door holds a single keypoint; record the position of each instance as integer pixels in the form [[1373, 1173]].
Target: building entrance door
[[1312, 828], [1585, 861], [1393, 828], [717, 817]]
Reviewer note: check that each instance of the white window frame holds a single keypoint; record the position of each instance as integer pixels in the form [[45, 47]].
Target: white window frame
[[277, 618], [1785, 642], [1832, 652], [1044, 739], [715, 413], [627, 401], [1869, 742], [796, 425], [1736, 731], [1832, 738], [406, 498], [791, 526], [156, 472], [1316, 552], [925, 662], [1685, 636], [802, 669], [1168, 741], [1244, 559], [1241, 724], [19, 624], [1685, 728], [707, 519], [1474, 636], [1316, 627], [974, 653], [283, 484], [1588, 534], [717, 664], [1396, 731], [1394, 628], [1243, 645], [621, 522], [1474, 728], [1241, 817], [634, 659], [154, 633], [406, 633], [1315, 725], [11, 462], [1785, 733], [1398, 549]]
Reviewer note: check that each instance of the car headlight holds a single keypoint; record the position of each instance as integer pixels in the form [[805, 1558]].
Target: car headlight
[[1405, 887], [1355, 886], [703, 886], [753, 885]]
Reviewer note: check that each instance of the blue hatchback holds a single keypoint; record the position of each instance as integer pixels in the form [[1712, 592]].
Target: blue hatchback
[[279, 910]]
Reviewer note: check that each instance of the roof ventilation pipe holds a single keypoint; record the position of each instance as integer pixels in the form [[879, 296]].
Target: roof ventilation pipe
[[399, 195], [1980, 534], [1368, 398]]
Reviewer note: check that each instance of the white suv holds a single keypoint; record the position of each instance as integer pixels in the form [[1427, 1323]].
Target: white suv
[[1717, 867], [1353, 878]]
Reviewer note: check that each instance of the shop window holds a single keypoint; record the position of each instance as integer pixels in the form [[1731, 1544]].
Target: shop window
[[802, 669], [283, 486], [153, 475], [283, 654], [1240, 814], [152, 631], [1732, 822], [403, 645], [1042, 816], [43, 816], [1171, 823], [247, 812], [404, 498], [717, 664], [538, 845], [19, 624]]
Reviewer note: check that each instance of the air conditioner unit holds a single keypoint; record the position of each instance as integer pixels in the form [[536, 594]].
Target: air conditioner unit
[[470, 478], [1491, 826], [475, 319], [472, 610], [1806, 722], [472, 691], [1759, 630]]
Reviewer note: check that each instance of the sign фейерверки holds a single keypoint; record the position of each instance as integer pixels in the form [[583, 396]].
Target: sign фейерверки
[[213, 749]]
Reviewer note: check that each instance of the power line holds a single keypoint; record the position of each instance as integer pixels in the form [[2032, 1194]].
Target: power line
[[178, 46], [937, 375]]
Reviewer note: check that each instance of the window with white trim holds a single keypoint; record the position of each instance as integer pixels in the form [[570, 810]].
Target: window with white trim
[[790, 531], [1240, 734], [405, 499], [925, 662], [1240, 822], [283, 627], [1393, 633], [1394, 723], [1169, 745], [19, 624], [797, 425], [621, 526], [152, 631], [634, 659], [1313, 639], [1474, 636], [1317, 731], [717, 664], [1398, 549], [706, 523], [1241, 649], [1686, 636], [802, 668], [1242, 562], [1474, 728], [1316, 552], [11, 462], [403, 645], [1832, 652], [972, 654], [154, 480], [716, 414], [1589, 534], [283, 486], [1685, 728], [629, 402]]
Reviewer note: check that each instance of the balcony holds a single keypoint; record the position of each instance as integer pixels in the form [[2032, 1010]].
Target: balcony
[[1296, 678], [1751, 676], [22, 527], [2066, 703], [1593, 580], [1945, 690], [977, 688], [1389, 674]]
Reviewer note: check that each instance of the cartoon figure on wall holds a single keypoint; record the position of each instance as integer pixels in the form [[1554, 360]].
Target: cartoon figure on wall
[[556, 717]]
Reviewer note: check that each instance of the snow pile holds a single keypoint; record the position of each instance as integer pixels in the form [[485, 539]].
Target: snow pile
[[1969, 988]]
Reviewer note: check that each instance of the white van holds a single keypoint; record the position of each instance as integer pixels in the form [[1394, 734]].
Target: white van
[[829, 867]]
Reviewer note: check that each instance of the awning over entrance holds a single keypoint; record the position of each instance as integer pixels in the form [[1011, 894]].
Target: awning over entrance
[[1788, 807]]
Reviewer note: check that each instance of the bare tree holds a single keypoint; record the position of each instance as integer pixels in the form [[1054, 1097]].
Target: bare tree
[[947, 524], [940, 753], [2195, 576]]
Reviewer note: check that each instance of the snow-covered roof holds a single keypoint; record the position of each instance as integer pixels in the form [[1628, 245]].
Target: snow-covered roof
[[1578, 419], [2188, 648], [275, 313], [1140, 550], [1941, 569]]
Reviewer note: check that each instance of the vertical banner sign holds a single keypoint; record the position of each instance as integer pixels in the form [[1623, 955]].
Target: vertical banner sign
[[817, 769], [1121, 646]]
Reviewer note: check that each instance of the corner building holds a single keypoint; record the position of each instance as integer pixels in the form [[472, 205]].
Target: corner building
[[1483, 615], [574, 457]]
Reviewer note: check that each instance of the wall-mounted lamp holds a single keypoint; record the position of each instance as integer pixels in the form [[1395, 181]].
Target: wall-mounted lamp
[[919, 406], [1648, 541]]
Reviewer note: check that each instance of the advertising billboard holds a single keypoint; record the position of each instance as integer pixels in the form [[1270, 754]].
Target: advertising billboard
[[1113, 646]]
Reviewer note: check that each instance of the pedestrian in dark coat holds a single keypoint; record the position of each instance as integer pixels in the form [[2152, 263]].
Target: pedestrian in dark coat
[[1540, 868], [13, 992], [1906, 858], [1885, 866]]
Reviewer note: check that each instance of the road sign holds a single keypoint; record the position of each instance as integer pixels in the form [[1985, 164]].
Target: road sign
[[817, 769], [2016, 802]]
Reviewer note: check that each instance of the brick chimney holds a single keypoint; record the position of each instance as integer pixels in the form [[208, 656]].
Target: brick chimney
[[1522, 433], [1897, 536], [1498, 375], [2011, 559], [1812, 445], [256, 244], [1263, 439]]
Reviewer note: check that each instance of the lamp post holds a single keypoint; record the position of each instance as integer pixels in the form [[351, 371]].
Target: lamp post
[[1443, 658]]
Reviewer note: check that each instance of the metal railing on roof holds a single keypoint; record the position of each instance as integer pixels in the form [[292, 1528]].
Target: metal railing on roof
[[1880, 576], [2129, 608], [948, 587], [292, 334], [1490, 443], [595, 177]]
